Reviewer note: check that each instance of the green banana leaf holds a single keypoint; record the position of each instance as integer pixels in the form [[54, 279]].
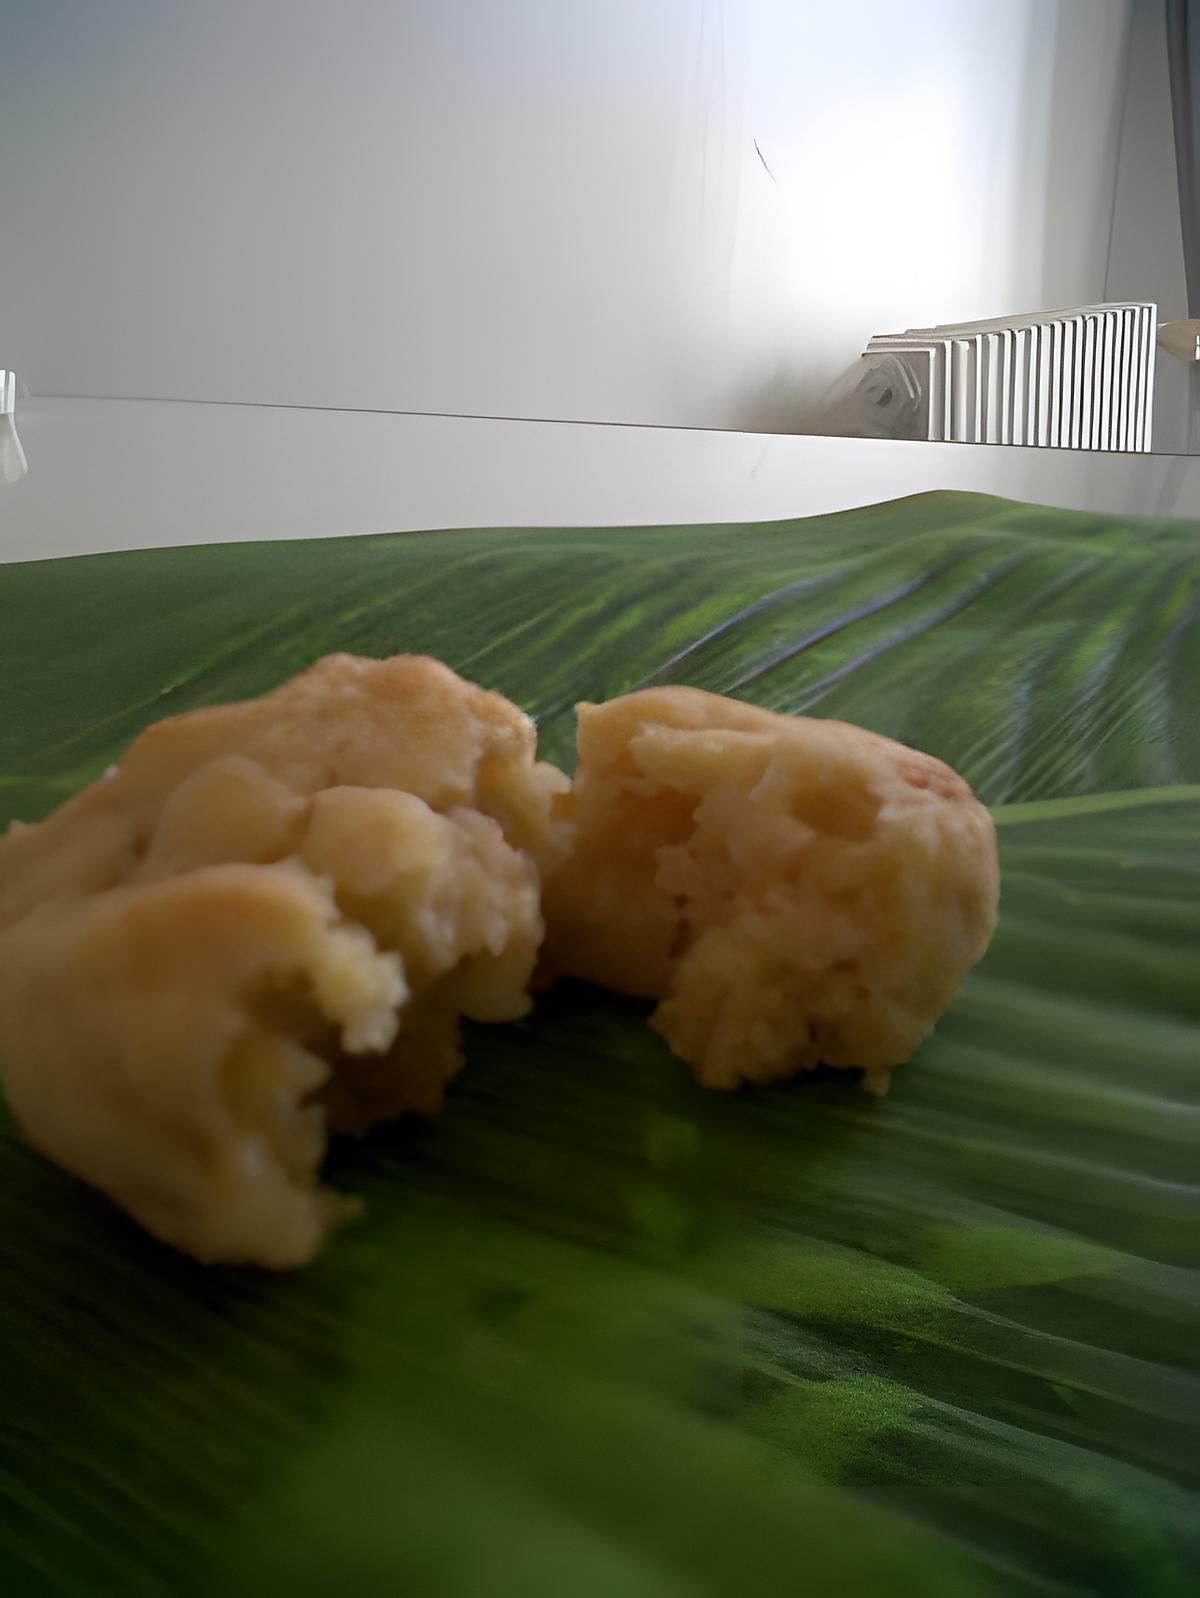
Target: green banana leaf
[[600, 1332]]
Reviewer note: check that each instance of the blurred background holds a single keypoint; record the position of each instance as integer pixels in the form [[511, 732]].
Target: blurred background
[[680, 213]]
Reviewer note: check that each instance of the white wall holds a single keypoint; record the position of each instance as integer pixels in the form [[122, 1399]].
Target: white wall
[[548, 208], [1146, 257]]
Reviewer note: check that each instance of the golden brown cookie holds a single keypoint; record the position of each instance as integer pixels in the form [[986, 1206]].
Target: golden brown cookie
[[793, 892], [263, 926]]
